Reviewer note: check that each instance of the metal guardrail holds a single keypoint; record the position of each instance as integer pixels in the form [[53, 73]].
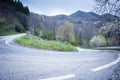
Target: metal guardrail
[[109, 48]]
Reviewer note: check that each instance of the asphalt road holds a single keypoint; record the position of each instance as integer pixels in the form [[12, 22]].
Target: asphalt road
[[21, 63]]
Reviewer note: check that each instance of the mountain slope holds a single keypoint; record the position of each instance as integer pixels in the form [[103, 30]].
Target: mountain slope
[[85, 16]]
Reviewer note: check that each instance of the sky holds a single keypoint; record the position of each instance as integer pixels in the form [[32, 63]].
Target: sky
[[56, 7]]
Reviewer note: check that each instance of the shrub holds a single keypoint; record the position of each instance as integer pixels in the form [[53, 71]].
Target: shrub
[[3, 21], [19, 28], [98, 41], [48, 35]]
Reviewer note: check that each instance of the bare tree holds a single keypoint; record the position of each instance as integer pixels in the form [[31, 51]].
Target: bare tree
[[34, 23], [108, 6]]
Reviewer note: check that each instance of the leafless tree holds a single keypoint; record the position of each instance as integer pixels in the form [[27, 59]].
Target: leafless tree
[[108, 6]]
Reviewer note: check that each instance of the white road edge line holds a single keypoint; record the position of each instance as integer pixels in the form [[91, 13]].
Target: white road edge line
[[107, 65], [61, 77], [11, 38]]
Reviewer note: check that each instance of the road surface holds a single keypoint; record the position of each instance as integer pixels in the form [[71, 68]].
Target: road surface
[[21, 63]]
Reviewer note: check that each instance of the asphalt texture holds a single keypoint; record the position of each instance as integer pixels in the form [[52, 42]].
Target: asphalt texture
[[21, 63]]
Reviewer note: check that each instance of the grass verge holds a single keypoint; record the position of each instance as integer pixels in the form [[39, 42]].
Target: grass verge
[[33, 42]]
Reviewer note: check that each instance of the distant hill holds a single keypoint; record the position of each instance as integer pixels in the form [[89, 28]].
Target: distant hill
[[84, 16]]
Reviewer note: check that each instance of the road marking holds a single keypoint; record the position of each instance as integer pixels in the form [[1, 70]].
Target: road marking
[[107, 65], [61, 77], [10, 39]]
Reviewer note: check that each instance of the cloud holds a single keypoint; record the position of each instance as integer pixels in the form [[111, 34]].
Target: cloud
[[57, 12]]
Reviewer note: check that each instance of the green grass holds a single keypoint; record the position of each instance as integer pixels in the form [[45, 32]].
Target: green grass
[[33, 42]]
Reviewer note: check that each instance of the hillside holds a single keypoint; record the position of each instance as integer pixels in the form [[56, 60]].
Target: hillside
[[13, 17], [86, 24]]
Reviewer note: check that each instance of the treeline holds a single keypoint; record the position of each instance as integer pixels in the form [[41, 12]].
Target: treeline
[[17, 4]]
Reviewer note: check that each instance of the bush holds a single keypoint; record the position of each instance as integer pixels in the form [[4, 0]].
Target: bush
[[19, 28], [6, 28], [98, 41], [48, 35], [3, 21]]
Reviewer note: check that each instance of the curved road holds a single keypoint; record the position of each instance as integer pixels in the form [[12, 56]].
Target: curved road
[[21, 63]]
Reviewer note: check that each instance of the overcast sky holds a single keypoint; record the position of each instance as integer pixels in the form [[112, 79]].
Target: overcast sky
[[55, 7]]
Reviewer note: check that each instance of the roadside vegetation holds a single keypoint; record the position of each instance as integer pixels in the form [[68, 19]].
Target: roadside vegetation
[[7, 29], [108, 35], [13, 17], [98, 41], [34, 42]]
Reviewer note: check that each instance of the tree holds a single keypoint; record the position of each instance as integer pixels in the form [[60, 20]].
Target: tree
[[26, 10], [98, 41], [34, 23], [67, 31], [108, 6], [111, 30], [8, 1]]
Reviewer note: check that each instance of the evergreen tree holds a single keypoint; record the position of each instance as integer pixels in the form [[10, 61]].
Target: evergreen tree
[[17, 5]]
